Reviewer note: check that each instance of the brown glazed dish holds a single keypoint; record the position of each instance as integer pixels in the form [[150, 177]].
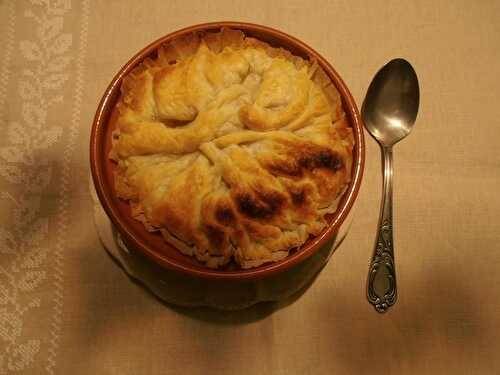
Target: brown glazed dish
[[153, 244]]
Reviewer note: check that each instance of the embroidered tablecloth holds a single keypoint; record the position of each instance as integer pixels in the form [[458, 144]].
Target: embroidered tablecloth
[[66, 307]]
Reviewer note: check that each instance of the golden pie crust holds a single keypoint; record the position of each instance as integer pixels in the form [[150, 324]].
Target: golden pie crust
[[231, 148]]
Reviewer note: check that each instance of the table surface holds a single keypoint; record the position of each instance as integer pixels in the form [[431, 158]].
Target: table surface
[[65, 306]]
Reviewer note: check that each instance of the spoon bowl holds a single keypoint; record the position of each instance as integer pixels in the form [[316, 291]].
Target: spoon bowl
[[391, 104]]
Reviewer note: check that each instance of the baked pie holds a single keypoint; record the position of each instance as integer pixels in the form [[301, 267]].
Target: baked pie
[[231, 148]]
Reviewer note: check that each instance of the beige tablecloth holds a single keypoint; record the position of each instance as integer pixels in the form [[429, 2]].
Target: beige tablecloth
[[67, 308]]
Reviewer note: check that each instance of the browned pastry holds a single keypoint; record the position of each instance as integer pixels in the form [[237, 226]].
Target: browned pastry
[[231, 148]]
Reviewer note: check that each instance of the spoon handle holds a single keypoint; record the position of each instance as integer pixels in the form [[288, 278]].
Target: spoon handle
[[381, 288]]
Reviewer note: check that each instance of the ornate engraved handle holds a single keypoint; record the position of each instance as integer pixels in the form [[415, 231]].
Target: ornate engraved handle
[[381, 288]]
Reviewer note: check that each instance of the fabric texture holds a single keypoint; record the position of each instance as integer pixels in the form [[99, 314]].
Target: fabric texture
[[66, 307]]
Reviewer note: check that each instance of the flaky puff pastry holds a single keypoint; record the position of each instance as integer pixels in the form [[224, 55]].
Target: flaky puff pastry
[[231, 148]]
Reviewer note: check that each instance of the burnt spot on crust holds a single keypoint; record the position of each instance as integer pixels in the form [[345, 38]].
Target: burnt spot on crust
[[261, 206], [298, 159], [321, 158], [224, 215], [298, 196], [274, 200], [249, 206], [215, 236]]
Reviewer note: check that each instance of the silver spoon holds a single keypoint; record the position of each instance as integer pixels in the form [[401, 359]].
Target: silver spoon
[[389, 112]]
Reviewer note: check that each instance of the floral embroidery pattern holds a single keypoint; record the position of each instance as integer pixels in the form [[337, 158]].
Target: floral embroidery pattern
[[26, 172], [8, 46], [64, 211]]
